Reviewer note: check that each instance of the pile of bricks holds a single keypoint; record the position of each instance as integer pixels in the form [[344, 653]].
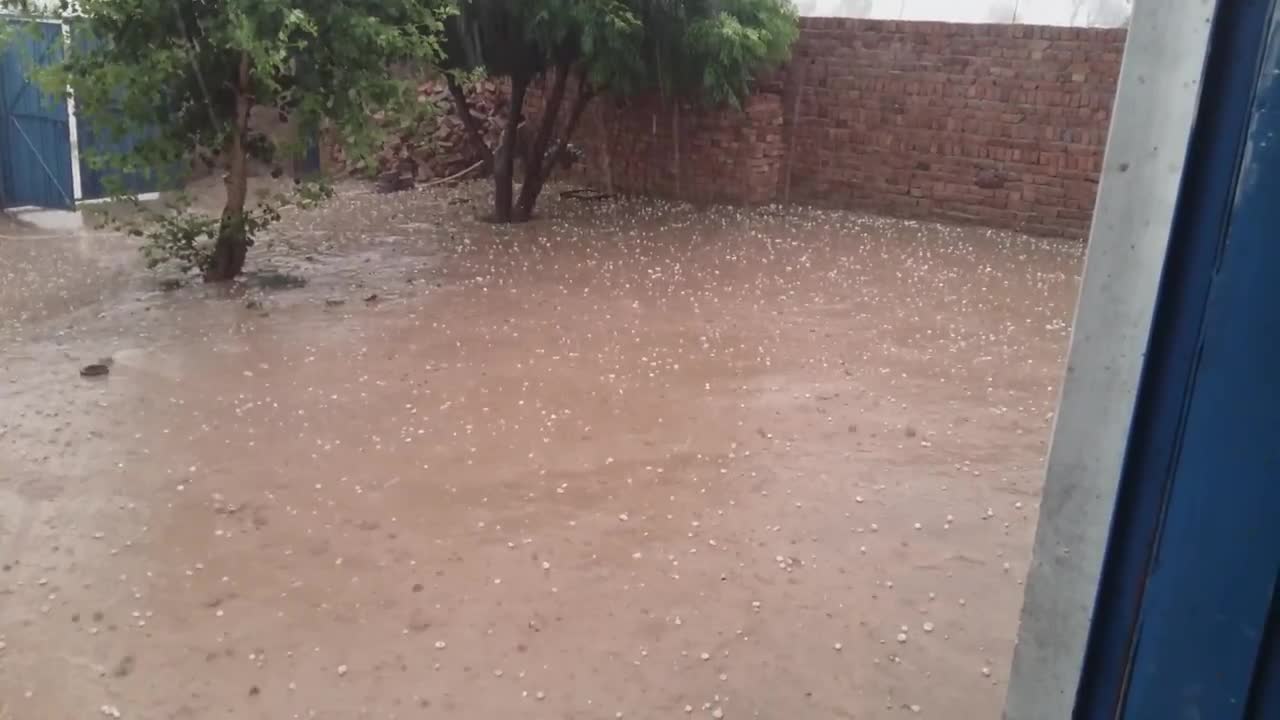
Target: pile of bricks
[[435, 144]]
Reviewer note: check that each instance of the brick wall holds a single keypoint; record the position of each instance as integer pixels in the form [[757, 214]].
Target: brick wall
[[652, 147], [1002, 125]]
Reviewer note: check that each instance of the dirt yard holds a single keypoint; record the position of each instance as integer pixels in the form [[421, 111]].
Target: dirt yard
[[628, 461]]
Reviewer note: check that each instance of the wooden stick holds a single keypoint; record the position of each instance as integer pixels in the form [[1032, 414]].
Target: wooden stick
[[455, 176]]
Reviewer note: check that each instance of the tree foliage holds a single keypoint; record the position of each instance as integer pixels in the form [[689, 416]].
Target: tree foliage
[[183, 78], [705, 50]]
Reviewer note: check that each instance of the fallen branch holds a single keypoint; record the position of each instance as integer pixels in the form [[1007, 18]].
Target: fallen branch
[[455, 176], [585, 194]]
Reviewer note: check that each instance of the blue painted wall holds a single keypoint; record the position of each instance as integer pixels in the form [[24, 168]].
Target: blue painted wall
[[97, 180]]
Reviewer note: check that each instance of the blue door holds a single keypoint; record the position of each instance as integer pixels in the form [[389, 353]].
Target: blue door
[[1187, 623], [35, 142]]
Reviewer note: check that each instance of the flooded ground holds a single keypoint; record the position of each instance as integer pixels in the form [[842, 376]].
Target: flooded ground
[[630, 460]]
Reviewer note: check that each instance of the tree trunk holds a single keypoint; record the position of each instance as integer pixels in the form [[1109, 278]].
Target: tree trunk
[[505, 161], [233, 237], [475, 132], [675, 143], [542, 162], [607, 138], [535, 154]]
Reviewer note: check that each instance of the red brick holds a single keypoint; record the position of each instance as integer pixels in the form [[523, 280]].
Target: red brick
[[893, 117]]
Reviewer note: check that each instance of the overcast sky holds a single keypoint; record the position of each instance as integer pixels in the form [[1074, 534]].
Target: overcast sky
[[1097, 13]]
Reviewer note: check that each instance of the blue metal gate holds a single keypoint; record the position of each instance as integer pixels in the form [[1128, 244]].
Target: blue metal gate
[[35, 144]]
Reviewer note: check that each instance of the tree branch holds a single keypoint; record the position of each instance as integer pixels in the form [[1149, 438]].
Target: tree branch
[[580, 102], [550, 114], [536, 170], [244, 98], [469, 122]]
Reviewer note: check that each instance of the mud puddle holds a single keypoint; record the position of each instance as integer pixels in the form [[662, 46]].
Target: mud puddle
[[630, 460]]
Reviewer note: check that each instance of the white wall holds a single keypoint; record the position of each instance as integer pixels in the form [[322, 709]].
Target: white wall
[[38, 7], [1076, 13]]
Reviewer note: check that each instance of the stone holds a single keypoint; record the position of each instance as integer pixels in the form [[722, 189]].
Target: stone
[[94, 370]]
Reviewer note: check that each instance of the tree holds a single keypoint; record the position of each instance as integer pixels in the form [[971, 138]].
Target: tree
[[708, 50], [183, 78]]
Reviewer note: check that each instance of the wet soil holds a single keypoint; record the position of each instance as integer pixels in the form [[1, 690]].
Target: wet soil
[[630, 460]]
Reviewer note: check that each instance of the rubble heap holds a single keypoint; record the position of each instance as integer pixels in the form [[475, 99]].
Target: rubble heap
[[437, 146]]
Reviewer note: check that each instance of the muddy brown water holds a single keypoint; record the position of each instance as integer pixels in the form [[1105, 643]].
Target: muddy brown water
[[630, 460]]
